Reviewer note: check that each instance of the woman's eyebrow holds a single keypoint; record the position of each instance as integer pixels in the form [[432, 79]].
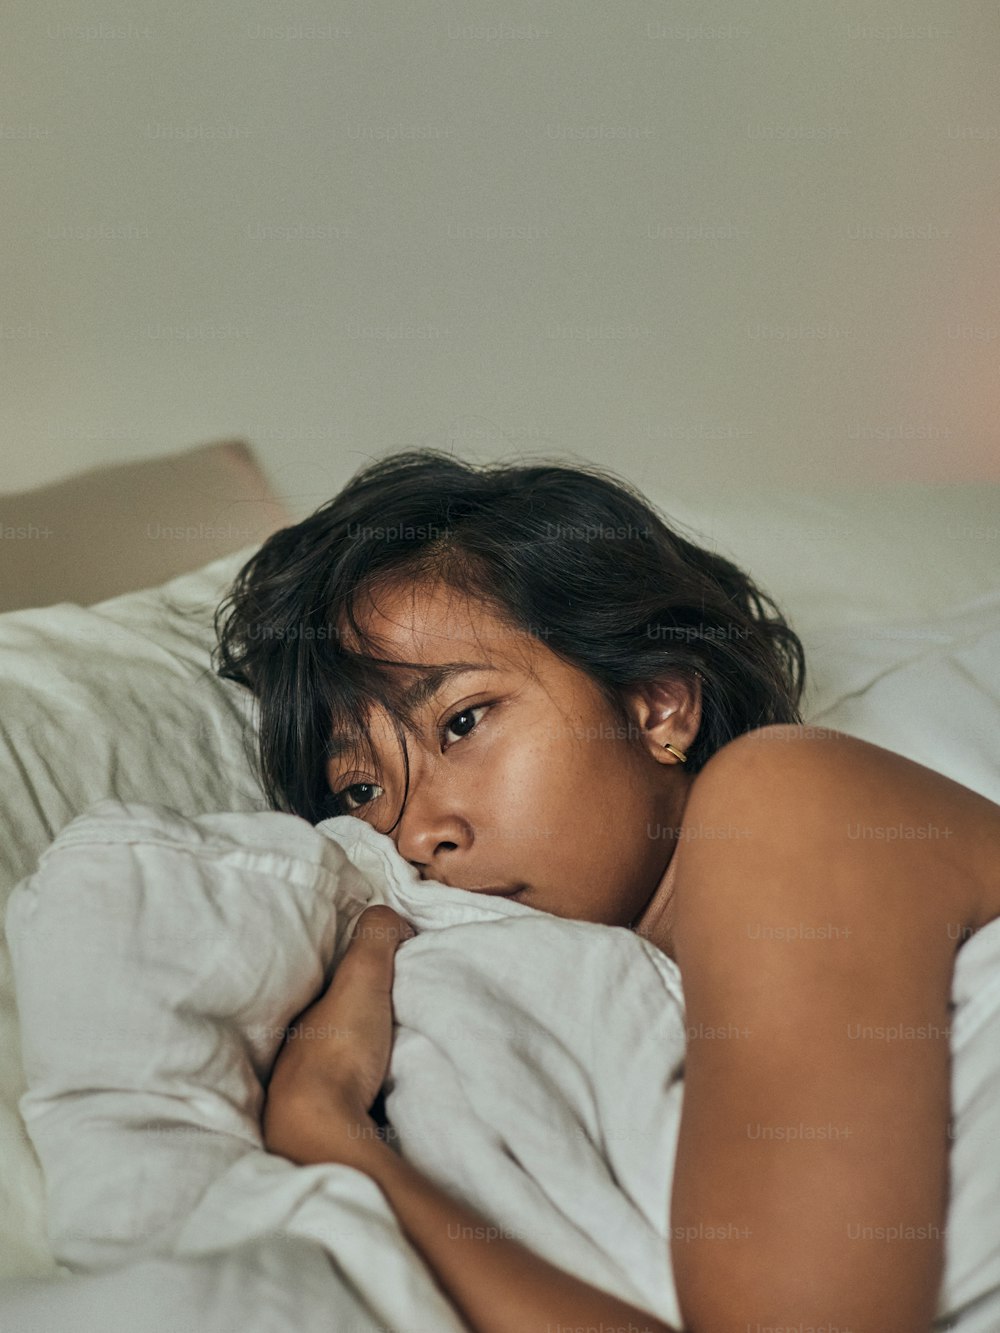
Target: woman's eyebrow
[[430, 683], [435, 678]]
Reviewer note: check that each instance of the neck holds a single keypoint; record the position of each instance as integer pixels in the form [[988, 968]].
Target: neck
[[655, 922]]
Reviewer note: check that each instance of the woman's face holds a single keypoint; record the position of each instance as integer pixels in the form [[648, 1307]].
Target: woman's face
[[521, 774]]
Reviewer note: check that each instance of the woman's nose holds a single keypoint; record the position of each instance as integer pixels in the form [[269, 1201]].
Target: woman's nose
[[428, 838]]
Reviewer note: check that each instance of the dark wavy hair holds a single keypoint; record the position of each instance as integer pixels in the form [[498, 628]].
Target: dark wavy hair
[[570, 554]]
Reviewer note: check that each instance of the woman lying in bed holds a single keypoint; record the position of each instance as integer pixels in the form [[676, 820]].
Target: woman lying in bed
[[539, 689]]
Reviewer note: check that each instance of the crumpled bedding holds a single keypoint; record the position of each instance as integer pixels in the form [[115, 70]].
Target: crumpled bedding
[[537, 1073]]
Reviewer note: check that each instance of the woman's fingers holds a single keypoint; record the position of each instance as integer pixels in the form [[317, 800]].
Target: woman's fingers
[[381, 925], [359, 1001], [338, 1050], [368, 960], [362, 980], [355, 1012], [356, 1005]]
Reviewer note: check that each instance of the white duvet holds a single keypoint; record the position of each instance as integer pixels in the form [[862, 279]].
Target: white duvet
[[536, 1073]]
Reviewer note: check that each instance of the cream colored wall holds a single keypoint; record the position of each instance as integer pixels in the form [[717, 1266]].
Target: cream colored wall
[[690, 240]]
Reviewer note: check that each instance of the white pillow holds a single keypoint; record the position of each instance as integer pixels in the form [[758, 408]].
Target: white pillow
[[158, 960], [850, 556], [117, 699], [926, 688]]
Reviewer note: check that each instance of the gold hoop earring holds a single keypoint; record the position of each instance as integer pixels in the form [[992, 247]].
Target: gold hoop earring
[[674, 751]]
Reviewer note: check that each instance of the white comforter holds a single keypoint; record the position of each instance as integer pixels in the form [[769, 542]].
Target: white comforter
[[536, 1073]]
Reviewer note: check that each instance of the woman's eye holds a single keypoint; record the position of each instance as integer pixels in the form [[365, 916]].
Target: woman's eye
[[357, 794], [465, 713], [352, 805]]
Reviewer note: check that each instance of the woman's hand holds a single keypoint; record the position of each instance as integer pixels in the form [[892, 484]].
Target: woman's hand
[[324, 1082], [336, 1054]]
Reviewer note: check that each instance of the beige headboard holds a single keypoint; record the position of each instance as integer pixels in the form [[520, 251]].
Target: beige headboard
[[132, 525]]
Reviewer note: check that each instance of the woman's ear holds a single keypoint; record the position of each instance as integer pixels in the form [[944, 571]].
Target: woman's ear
[[666, 710]]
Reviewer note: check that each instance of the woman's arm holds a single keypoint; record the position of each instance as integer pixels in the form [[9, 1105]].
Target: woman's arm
[[496, 1284], [317, 1110], [811, 1178]]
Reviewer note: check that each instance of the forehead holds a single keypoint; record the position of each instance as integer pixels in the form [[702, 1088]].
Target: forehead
[[431, 623]]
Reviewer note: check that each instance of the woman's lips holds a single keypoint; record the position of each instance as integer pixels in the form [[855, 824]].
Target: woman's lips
[[499, 891]]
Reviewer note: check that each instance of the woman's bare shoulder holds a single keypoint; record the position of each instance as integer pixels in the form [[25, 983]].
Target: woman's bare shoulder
[[782, 742], [825, 788]]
